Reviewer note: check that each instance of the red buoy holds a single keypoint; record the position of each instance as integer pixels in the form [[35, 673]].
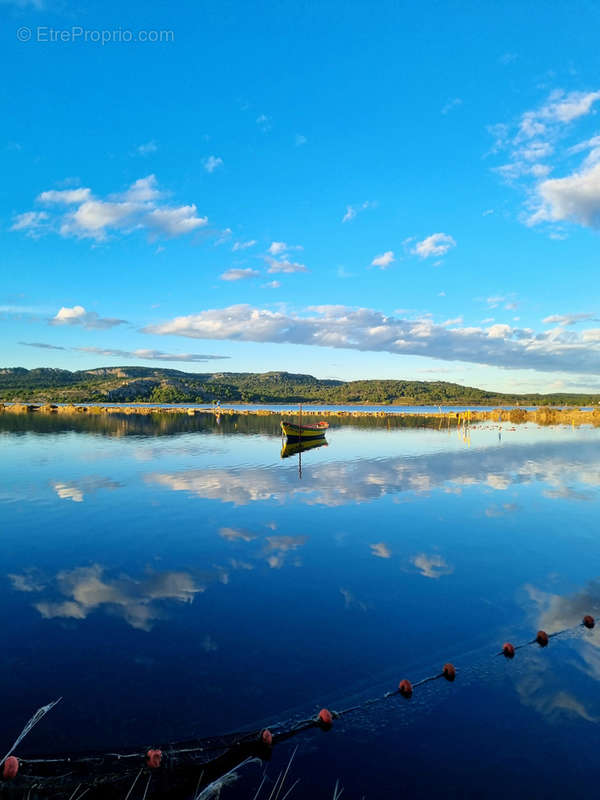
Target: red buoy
[[405, 688], [325, 717], [542, 638], [11, 767], [154, 758], [508, 649], [266, 737], [449, 672], [589, 621]]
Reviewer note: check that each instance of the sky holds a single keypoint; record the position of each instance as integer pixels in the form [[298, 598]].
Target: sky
[[347, 189]]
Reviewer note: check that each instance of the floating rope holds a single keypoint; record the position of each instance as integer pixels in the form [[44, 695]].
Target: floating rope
[[64, 775]]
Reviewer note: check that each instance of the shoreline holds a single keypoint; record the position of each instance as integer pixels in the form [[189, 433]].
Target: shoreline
[[543, 416]]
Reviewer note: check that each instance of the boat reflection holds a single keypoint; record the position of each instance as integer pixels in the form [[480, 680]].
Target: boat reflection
[[294, 448]]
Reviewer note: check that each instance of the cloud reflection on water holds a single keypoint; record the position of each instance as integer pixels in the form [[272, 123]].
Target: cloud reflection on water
[[338, 483], [76, 593]]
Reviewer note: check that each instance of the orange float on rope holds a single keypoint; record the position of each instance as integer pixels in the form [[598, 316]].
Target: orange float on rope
[[542, 638], [449, 671], [405, 688], [325, 717], [154, 758], [266, 737], [508, 649], [589, 621], [11, 767]]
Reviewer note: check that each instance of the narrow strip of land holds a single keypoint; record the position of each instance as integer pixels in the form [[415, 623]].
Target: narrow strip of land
[[540, 416]]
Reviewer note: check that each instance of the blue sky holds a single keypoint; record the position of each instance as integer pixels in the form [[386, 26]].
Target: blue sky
[[399, 190]]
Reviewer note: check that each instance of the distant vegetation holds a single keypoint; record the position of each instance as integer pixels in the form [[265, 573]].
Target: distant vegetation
[[150, 385]]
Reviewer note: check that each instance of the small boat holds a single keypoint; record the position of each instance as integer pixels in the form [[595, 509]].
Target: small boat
[[294, 448], [303, 433]]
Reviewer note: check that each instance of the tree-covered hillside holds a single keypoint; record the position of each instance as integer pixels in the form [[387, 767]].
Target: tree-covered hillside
[[147, 384]]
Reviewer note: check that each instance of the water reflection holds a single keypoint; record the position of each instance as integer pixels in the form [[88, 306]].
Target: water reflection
[[432, 566], [76, 490], [79, 592], [336, 483]]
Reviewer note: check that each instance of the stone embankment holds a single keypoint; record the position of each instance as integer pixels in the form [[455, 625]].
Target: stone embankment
[[541, 416]]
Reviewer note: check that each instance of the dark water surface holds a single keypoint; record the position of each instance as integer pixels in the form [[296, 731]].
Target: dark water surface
[[173, 577]]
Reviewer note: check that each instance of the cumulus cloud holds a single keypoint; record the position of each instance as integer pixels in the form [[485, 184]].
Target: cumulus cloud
[[79, 213], [275, 248], [77, 315], [368, 330], [271, 285], [539, 135], [575, 198], [212, 163], [239, 274], [243, 245], [384, 260], [284, 265], [437, 244]]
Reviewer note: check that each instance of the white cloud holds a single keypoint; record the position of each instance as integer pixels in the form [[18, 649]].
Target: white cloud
[[263, 122], [284, 265], [383, 261], [369, 330], [437, 244], [275, 248], [352, 211], [78, 213], [77, 315], [147, 355], [271, 285], [537, 136], [212, 163], [243, 245], [451, 104], [147, 148], [66, 196], [350, 214], [568, 319], [239, 274], [175, 221], [32, 222], [575, 198]]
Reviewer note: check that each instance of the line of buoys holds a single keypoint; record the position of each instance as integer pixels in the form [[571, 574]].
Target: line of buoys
[[261, 742]]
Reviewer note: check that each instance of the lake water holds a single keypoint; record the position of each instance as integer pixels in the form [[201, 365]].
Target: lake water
[[172, 576]]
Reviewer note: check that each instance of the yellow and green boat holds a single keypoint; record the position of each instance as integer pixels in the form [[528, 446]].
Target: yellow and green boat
[[295, 432]]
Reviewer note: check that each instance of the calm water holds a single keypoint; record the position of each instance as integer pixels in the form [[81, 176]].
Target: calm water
[[177, 577]]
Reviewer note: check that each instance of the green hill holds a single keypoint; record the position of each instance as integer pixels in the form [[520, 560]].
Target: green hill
[[149, 384]]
